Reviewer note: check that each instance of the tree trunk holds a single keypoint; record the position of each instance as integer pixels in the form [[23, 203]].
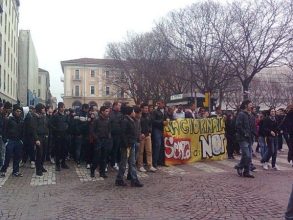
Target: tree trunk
[[245, 88]]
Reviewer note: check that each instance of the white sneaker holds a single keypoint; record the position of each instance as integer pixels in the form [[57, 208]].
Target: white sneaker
[[265, 166], [21, 164], [33, 165], [276, 167], [142, 169], [52, 160], [88, 166], [116, 167], [152, 169]]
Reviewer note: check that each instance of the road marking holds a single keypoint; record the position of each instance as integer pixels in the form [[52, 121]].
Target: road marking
[[84, 175], [208, 168], [48, 178], [4, 179]]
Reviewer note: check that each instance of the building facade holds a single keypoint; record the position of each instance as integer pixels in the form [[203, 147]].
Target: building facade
[[43, 93], [28, 70], [9, 19], [87, 80]]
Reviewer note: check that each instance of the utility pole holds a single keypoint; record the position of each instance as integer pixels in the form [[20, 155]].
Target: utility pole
[[190, 46]]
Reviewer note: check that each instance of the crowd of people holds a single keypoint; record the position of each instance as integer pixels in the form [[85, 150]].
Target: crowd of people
[[120, 135]]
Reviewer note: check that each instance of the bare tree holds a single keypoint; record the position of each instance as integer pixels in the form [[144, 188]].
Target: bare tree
[[191, 34], [148, 72], [257, 34]]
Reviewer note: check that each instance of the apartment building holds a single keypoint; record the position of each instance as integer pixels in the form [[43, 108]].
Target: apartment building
[[28, 70], [9, 19], [44, 94], [90, 81]]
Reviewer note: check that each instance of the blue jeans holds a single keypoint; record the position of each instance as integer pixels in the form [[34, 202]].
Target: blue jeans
[[13, 149], [157, 138], [131, 163], [272, 150], [263, 146], [289, 211], [2, 152], [246, 151]]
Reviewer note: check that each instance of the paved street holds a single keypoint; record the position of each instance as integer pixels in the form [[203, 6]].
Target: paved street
[[209, 190]]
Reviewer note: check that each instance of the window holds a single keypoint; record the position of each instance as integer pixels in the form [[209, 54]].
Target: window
[[0, 44], [5, 25], [92, 73], [76, 91], [4, 81], [107, 90], [39, 93], [76, 76], [107, 74], [4, 51], [92, 88], [39, 79]]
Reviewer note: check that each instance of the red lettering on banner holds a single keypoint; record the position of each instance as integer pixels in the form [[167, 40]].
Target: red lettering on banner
[[177, 148]]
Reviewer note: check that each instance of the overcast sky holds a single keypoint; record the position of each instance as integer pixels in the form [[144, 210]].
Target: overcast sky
[[72, 29]]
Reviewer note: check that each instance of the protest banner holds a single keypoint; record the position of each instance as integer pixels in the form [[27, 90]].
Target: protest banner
[[191, 140]]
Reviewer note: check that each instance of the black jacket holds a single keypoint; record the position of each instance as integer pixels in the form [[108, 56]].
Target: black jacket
[[13, 129], [288, 123], [79, 125], [2, 123], [230, 128], [59, 124], [38, 125], [129, 132], [115, 121], [244, 130], [158, 118], [270, 125], [261, 130], [102, 127], [146, 124]]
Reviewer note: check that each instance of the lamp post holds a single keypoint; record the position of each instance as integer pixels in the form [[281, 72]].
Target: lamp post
[[190, 46]]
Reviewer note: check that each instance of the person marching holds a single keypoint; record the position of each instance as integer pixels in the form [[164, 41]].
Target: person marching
[[271, 128], [59, 124], [244, 136], [103, 146], [129, 139], [12, 137], [39, 127]]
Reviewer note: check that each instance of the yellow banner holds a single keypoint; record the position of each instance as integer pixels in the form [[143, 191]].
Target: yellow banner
[[191, 140]]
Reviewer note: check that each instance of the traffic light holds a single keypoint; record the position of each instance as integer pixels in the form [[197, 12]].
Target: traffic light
[[207, 97]]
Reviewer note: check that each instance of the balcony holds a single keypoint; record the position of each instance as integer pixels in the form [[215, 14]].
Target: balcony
[[76, 94], [76, 79]]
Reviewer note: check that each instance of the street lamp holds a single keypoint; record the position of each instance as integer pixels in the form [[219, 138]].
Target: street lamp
[[190, 46]]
